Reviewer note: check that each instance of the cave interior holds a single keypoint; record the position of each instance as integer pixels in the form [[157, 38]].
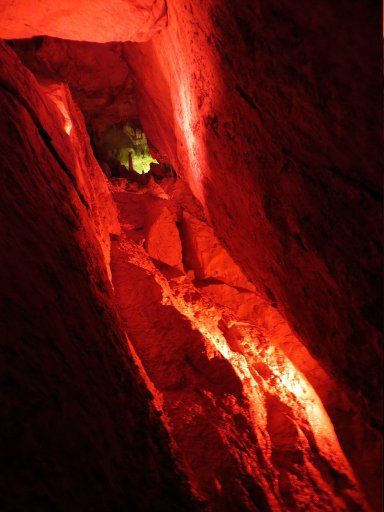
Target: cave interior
[[191, 256]]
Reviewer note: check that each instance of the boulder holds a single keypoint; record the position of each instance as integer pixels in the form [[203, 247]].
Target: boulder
[[160, 171], [204, 254], [162, 239]]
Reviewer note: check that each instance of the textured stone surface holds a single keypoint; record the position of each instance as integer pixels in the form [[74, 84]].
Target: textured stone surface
[[78, 429], [81, 20], [162, 238], [251, 431], [66, 132], [280, 141], [206, 256], [97, 74], [269, 110]]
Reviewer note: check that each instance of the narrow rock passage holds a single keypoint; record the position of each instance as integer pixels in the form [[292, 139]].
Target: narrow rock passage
[[252, 313], [249, 429]]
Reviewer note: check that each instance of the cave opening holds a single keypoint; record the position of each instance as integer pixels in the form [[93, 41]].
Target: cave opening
[[184, 376], [123, 145]]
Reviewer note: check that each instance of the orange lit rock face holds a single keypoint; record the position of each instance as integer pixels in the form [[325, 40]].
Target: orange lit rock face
[[250, 429], [90, 181], [258, 107], [162, 240], [81, 20], [207, 258], [67, 133], [99, 77], [78, 430], [280, 142]]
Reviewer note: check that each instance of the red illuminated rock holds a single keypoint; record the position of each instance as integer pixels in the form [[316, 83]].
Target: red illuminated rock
[[71, 143], [240, 304], [278, 205], [281, 143], [99, 77], [78, 429], [258, 107], [206, 256], [229, 400], [100, 21], [162, 238]]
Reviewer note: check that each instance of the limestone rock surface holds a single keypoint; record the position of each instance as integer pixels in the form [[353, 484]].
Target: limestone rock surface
[[78, 427], [257, 106], [98, 76], [162, 238], [81, 20]]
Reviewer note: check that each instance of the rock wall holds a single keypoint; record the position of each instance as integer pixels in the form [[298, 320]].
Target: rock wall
[[100, 80], [259, 108], [269, 110], [78, 428], [81, 20], [251, 431]]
